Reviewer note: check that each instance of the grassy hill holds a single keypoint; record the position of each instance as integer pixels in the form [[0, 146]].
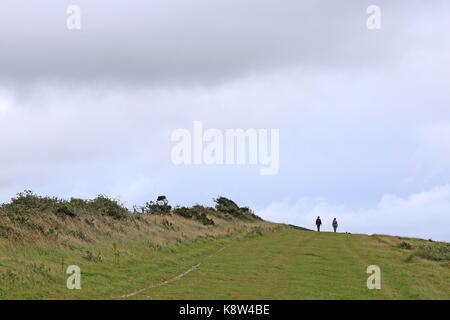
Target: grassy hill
[[291, 264], [200, 253]]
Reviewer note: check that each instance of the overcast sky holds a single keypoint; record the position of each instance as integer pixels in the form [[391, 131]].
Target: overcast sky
[[364, 115]]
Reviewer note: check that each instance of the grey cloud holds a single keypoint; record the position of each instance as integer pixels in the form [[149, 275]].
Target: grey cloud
[[199, 41]]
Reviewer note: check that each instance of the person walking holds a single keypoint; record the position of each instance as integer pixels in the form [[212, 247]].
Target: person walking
[[318, 223], [335, 224]]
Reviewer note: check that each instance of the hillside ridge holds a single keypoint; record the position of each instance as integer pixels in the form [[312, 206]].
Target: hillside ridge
[[120, 251]]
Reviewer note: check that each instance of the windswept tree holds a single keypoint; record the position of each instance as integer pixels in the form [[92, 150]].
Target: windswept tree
[[160, 206]]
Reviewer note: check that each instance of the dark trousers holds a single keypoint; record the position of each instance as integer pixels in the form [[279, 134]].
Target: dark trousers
[[318, 228]]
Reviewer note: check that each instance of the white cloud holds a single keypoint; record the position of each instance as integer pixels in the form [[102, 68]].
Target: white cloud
[[424, 215], [433, 153], [5, 102]]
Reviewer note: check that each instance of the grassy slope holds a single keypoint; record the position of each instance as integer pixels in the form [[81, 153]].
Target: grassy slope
[[293, 264], [237, 262], [150, 248]]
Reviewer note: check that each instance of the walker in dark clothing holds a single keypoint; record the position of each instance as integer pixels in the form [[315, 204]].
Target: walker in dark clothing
[[318, 223]]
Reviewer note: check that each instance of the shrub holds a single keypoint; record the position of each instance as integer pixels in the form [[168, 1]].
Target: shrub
[[205, 220], [405, 245], [249, 213], [197, 212], [160, 206], [66, 209], [27, 202], [438, 252], [184, 212], [162, 200], [80, 205], [108, 207], [229, 207]]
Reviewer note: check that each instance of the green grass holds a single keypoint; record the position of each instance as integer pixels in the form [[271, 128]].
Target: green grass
[[307, 265], [137, 264], [247, 263]]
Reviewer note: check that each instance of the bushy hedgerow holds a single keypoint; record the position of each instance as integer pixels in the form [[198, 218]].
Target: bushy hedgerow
[[26, 203], [197, 212], [224, 208]]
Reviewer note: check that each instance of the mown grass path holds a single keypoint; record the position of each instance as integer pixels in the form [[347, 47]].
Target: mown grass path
[[291, 264]]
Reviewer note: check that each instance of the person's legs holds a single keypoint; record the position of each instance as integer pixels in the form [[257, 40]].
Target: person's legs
[[318, 228]]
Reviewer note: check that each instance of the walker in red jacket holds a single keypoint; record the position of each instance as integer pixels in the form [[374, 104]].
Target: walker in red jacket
[[335, 224]]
